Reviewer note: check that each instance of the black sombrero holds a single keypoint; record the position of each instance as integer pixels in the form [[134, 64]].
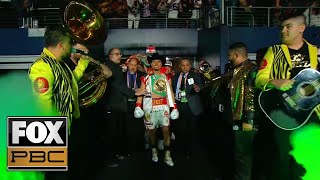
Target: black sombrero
[[157, 56]]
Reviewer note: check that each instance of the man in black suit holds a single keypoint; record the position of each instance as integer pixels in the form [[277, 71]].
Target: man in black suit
[[134, 127], [115, 109], [186, 86]]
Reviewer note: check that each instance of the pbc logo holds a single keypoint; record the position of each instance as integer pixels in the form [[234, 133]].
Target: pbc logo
[[37, 143]]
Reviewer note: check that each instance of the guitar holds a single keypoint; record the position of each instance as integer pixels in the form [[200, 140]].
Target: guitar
[[290, 110]]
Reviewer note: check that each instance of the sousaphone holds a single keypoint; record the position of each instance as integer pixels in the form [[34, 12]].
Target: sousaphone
[[87, 27]]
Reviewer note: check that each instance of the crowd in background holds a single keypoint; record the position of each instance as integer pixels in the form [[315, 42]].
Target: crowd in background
[[185, 13], [252, 13]]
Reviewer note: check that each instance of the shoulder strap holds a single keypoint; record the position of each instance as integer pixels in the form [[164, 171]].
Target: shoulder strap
[[169, 95], [147, 81]]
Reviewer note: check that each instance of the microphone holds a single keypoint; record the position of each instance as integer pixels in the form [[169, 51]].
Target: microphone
[[73, 50]]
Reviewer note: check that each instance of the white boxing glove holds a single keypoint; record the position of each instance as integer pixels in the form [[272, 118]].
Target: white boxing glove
[[138, 112], [174, 113]]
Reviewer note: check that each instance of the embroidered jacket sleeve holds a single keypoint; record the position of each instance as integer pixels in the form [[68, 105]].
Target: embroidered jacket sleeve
[[263, 75], [249, 91], [80, 69], [42, 79]]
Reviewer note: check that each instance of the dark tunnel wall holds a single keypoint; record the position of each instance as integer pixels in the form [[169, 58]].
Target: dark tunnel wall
[[211, 44], [170, 42]]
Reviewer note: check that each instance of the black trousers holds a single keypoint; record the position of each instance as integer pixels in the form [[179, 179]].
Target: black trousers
[[115, 135], [264, 148], [78, 146], [134, 130], [186, 129], [235, 154], [85, 149], [243, 154]]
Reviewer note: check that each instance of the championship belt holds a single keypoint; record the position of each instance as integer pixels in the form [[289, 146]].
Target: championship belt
[[158, 84]]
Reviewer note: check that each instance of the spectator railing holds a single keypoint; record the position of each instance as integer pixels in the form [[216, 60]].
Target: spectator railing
[[209, 17], [51, 16], [262, 16]]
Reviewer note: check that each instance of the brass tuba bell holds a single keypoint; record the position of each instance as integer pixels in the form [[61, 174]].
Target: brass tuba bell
[[87, 27]]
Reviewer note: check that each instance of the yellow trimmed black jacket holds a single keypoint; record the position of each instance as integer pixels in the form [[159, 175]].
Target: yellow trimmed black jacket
[[56, 87], [277, 64]]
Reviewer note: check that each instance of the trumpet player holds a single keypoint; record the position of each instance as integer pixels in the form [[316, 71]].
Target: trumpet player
[[84, 129], [80, 51]]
